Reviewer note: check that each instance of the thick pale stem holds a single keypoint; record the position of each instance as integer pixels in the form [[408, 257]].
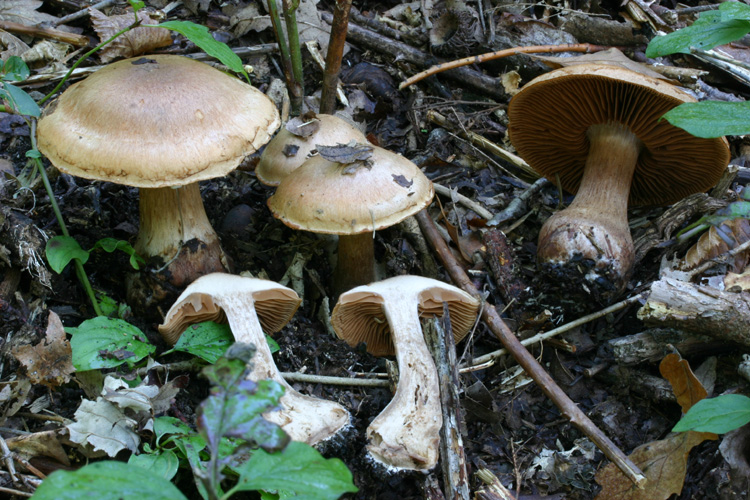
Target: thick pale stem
[[595, 226], [356, 262], [304, 418], [406, 434]]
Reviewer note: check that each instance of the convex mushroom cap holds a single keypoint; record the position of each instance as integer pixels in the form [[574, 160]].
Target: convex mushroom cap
[[386, 315], [290, 148], [252, 306], [352, 200], [597, 130], [158, 123]]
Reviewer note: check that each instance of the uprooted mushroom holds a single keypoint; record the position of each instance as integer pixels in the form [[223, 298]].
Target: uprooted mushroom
[[386, 316], [252, 306], [597, 130]]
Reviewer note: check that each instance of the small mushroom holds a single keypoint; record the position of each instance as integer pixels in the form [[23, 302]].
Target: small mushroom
[[161, 124], [352, 199], [386, 316], [597, 130], [252, 306], [293, 144]]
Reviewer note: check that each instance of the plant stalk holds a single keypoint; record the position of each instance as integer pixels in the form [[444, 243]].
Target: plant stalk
[[297, 92], [336, 42], [286, 60]]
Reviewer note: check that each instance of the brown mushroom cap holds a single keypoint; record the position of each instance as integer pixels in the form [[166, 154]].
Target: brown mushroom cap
[[287, 151], [359, 315], [156, 121], [320, 197], [549, 119]]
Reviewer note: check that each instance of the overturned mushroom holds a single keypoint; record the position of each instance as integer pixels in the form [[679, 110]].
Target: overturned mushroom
[[597, 130], [385, 315], [252, 306]]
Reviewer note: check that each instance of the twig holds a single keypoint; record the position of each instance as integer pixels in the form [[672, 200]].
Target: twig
[[323, 379], [12, 491], [333, 58], [51, 33], [83, 12], [467, 77], [499, 54], [721, 259], [483, 143], [465, 201], [8, 459], [314, 49], [524, 358], [516, 206], [539, 337]]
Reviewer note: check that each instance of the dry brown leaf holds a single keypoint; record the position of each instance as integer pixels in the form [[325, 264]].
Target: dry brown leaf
[[717, 241], [664, 463], [24, 12], [49, 362], [737, 282], [685, 385], [13, 396], [132, 43], [39, 444], [612, 57]]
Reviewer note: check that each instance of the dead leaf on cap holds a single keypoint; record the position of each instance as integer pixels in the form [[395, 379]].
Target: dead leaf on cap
[[134, 42], [49, 362], [613, 57], [304, 125], [402, 181], [345, 153]]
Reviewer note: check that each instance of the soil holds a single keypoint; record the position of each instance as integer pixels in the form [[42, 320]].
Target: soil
[[506, 431]]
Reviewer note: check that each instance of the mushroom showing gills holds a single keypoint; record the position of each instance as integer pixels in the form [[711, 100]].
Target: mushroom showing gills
[[386, 315], [352, 198], [291, 146], [161, 124], [598, 130], [252, 306]]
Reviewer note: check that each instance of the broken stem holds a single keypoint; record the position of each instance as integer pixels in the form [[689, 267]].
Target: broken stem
[[528, 362], [336, 43]]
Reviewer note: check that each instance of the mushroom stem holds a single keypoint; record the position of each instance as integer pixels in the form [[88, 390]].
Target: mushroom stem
[[407, 432], [356, 262], [595, 226], [174, 226], [304, 418]]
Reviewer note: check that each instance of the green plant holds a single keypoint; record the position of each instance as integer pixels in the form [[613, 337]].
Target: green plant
[[708, 119], [718, 415], [233, 447]]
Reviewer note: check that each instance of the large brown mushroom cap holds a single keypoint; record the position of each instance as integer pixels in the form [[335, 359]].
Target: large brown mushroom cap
[[156, 121], [359, 315], [287, 151], [321, 197], [550, 117]]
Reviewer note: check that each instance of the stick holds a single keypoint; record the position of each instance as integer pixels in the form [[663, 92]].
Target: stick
[[490, 315], [51, 33], [499, 54], [333, 57]]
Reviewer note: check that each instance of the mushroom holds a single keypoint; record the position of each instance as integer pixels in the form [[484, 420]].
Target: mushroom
[[161, 124], [291, 146], [352, 198], [597, 130], [252, 306], [386, 316]]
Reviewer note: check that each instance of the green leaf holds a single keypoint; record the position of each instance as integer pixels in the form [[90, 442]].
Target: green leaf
[[734, 10], [236, 405], [112, 244], [708, 31], [107, 480], [200, 36], [170, 425], [107, 342], [33, 153], [718, 415], [209, 341], [60, 250], [15, 69], [709, 119], [163, 463], [20, 101], [136, 5], [300, 470]]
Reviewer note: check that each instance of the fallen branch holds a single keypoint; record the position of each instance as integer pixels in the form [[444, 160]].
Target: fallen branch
[[529, 363], [499, 54]]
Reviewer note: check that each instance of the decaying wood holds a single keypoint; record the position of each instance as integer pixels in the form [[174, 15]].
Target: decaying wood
[[493, 489], [439, 337], [374, 41], [653, 388], [50, 33], [524, 358], [698, 309], [652, 345], [502, 260]]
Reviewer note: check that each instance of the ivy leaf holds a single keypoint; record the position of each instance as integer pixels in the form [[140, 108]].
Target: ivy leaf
[[718, 415], [709, 119], [60, 250]]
